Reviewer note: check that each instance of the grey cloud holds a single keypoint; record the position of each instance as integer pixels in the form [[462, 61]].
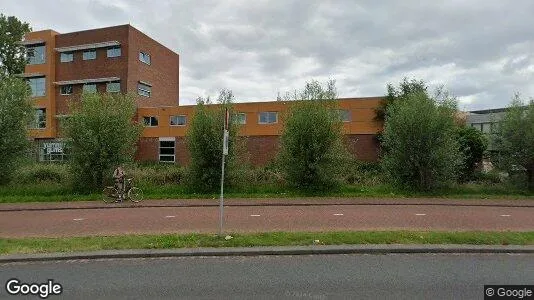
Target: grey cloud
[[481, 50]]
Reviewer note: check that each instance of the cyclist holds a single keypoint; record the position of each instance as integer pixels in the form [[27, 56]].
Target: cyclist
[[118, 175]]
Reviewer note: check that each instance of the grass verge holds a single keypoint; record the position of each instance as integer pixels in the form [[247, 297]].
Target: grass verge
[[56, 193], [168, 241]]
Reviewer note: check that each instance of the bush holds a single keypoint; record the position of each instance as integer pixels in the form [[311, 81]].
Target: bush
[[15, 112], [102, 135], [40, 172], [421, 147], [312, 150], [473, 145], [205, 143], [156, 174], [362, 173]]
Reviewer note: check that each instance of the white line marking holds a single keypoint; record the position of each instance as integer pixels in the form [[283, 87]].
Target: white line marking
[[170, 216], [254, 215], [420, 214], [338, 214], [505, 215], [79, 219]]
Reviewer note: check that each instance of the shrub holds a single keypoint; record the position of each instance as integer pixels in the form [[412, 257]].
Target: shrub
[[205, 143], [39, 172], [312, 150], [515, 139], [473, 145], [15, 112], [421, 148], [102, 135]]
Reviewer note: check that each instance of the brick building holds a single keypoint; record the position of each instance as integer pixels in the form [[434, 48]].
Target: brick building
[[123, 59]]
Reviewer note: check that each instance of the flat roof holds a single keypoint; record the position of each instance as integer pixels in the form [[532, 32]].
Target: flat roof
[[88, 46], [89, 80]]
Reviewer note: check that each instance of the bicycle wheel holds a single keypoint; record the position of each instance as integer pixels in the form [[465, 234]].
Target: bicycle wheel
[[109, 194], [135, 194]]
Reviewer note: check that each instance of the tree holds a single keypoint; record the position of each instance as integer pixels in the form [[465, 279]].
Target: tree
[[405, 89], [102, 134], [422, 151], [312, 151], [12, 53], [514, 139], [473, 145], [205, 143], [15, 113]]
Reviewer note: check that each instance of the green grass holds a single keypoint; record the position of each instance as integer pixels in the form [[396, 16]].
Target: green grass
[[168, 241], [55, 192]]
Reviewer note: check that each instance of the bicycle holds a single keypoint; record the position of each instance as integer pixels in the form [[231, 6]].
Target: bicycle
[[111, 194]]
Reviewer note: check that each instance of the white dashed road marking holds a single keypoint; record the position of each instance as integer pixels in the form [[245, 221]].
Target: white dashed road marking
[[79, 219], [420, 214], [170, 216], [505, 215], [338, 214], [254, 215]]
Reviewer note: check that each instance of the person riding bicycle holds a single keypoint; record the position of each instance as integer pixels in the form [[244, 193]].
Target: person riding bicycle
[[118, 175]]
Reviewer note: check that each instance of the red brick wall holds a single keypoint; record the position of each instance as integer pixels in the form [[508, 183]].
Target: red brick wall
[[261, 149], [147, 149], [100, 67], [162, 73], [363, 146], [181, 152]]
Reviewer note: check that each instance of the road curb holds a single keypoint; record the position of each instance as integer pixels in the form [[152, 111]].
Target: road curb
[[71, 206], [262, 251]]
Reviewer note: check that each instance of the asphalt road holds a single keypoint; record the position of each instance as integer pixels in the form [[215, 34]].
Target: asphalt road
[[115, 221], [281, 277]]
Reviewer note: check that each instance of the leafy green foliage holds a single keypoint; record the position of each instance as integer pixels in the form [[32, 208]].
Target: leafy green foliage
[[102, 135], [515, 139], [473, 145], [312, 152], [12, 54], [405, 89], [422, 150], [205, 144], [15, 112]]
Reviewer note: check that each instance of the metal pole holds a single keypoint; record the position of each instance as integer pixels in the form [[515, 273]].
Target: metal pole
[[221, 202]]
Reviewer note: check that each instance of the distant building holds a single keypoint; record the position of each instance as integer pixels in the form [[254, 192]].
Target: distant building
[[487, 121], [123, 59]]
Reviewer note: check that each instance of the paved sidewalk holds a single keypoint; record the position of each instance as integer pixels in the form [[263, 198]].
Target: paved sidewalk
[[316, 201], [257, 251]]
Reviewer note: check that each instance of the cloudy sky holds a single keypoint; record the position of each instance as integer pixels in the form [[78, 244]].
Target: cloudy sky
[[481, 50]]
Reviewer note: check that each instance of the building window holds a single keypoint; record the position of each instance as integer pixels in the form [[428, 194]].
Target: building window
[[113, 87], [89, 88], [66, 57], [89, 54], [39, 120], [150, 121], [268, 117], [36, 55], [114, 51], [166, 149], [477, 126], [52, 150], [66, 89], [37, 84], [344, 115], [144, 57], [144, 90], [178, 120], [240, 118]]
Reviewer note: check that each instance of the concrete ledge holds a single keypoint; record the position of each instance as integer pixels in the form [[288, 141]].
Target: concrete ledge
[[256, 251]]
